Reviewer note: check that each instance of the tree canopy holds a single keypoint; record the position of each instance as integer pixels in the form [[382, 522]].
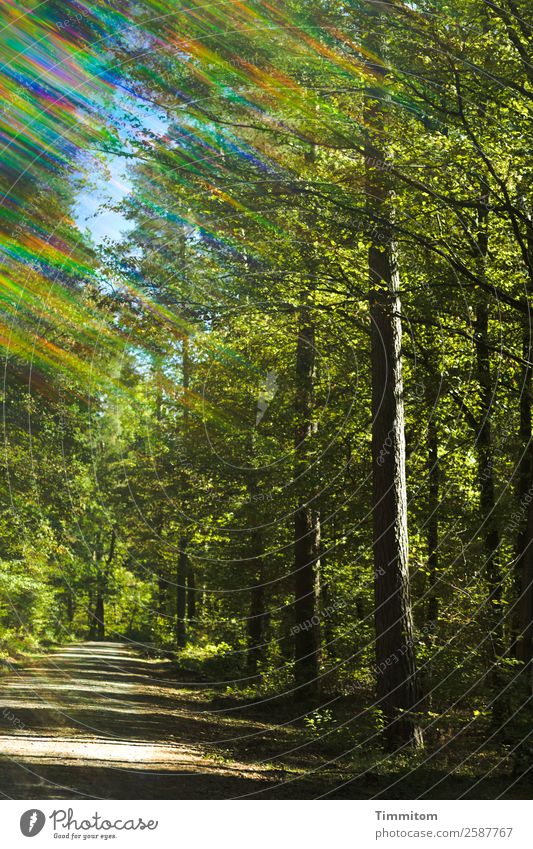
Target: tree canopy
[[277, 423]]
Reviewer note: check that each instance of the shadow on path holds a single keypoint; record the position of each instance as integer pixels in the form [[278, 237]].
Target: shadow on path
[[97, 720]]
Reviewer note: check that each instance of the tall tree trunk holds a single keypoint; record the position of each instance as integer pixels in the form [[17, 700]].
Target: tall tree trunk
[[99, 610], [256, 619], [160, 569], [525, 643], [523, 619], [91, 616], [395, 659], [191, 594], [255, 623], [395, 656], [487, 488], [69, 603], [487, 493], [432, 541], [162, 588], [433, 521], [102, 584], [324, 594], [93, 592], [182, 569], [522, 645], [306, 519], [181, 595], [524, 564]]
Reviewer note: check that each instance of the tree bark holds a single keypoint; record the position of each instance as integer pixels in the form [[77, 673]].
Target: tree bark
[[91, 617], [191, 594], [485, 449], [395, 656], [525, 643], [69, 604], [162, 588], [487, 488], [523, 619], [99, 612], [181, 595], [97, 630], [487, 496], [306, 520], [182, 569], [255, 623], [160, 569], [433, 522], [256, 618]]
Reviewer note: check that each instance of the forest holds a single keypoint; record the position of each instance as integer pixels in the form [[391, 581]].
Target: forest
[[266, 286]]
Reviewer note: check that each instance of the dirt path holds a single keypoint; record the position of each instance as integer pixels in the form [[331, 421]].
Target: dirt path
[[102, 721], [98, 720]]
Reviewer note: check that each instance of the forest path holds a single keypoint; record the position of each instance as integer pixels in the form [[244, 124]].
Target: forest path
[[99, 720]]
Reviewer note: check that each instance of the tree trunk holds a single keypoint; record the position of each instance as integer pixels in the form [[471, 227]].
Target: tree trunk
[[487, 496], [255, 623], [395, 656], [256, 619], [182, 569], [487, 489], [306, 520], [91, 617], [433, 524], [162, 588], [525, 643], [102, 578], [393, 617], [324, 595], [99, 611], [523, 618], [181, 595], [191, 594], [69, 603]]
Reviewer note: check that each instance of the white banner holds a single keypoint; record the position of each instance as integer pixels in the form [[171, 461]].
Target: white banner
[[267, 825]]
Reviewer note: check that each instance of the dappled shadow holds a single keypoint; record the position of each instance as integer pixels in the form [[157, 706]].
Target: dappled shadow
[[98, 720], [60, 781]]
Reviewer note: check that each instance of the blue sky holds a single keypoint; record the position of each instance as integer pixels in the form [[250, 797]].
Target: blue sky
[[132, 119], [89, 212]]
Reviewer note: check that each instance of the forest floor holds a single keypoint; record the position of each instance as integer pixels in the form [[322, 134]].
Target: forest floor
[[102, 720]]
